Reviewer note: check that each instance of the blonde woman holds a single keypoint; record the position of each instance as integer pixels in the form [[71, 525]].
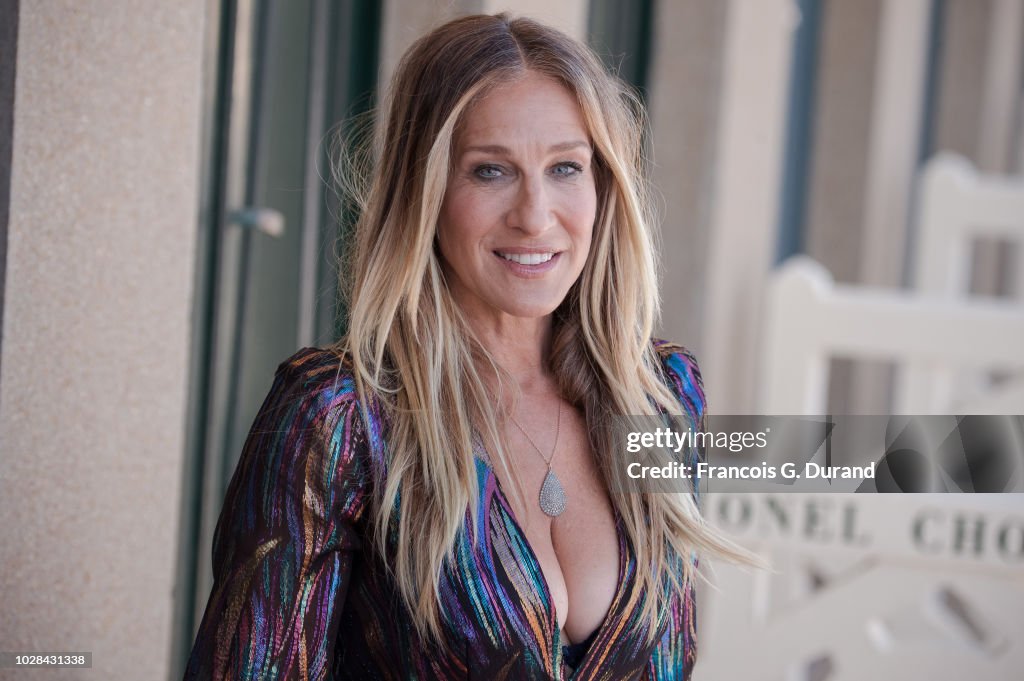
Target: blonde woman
[[430, 499]]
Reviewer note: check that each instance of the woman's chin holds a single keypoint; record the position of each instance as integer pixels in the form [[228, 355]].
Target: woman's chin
[[531, 310]]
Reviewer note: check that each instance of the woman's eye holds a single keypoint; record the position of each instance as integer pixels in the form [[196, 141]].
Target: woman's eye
[[567, 169], [487, 172]]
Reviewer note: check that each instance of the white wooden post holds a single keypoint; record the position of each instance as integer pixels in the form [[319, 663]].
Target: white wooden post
[[900, 77]]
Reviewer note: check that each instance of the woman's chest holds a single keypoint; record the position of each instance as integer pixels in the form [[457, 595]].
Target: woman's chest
[[577, 545], [507, 588], [578, 554], [498, 613]]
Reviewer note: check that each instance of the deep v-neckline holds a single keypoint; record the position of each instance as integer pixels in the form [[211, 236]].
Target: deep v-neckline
[[546, 596]]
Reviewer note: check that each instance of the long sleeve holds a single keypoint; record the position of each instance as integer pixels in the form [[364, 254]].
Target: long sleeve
[[684, 379], [674, 656], [285, 539]]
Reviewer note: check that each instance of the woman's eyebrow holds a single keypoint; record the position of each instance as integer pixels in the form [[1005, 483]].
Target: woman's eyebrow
[[566, 146], [499, 149]]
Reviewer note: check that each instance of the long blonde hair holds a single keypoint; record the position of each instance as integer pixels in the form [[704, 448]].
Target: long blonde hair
[[412, 351]]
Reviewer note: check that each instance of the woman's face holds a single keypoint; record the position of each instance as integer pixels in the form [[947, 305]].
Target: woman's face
[[518, 215]]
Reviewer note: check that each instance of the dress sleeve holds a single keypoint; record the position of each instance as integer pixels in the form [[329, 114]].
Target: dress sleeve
[[283, 547], [684, 380], [674, 656], [682, 375]]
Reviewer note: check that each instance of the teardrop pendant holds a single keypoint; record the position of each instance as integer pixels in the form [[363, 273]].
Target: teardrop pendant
[[552, 495]]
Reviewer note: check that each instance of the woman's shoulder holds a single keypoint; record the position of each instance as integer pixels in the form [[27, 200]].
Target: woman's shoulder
[[324, 374], [316, 366], [313, 387], [682, 374], [313, 412], [672, 352], [319, 385]]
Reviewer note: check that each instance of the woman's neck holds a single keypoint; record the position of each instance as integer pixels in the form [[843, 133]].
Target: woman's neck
[[520, 346]]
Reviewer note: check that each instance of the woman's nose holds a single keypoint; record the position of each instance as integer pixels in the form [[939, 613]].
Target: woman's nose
[[532, 210]]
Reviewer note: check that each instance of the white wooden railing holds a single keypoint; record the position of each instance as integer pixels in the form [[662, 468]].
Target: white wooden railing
[[957, 206], [809, 319]]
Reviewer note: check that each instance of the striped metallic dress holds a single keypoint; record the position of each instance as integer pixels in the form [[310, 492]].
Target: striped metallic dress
[[299, 594]]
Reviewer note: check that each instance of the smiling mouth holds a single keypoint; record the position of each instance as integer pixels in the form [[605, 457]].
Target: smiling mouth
[[526, 258]]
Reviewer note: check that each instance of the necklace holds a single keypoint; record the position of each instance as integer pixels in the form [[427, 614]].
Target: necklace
[[552, 494]]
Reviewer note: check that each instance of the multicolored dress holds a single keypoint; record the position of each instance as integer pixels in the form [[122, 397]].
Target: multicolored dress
[[299, 594]]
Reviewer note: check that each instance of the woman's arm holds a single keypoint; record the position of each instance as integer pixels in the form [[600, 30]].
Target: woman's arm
[[683, 378], [284, 541], [674, 656]]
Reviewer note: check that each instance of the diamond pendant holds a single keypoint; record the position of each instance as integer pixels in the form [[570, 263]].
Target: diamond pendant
[[552, 496]]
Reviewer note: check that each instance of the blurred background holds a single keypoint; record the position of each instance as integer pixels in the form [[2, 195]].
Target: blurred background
[[842, 218]]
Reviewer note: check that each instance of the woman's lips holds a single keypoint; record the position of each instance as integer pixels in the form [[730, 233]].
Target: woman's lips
[[527, 262], [528, 258]]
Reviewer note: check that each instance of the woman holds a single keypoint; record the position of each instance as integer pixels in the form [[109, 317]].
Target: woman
[[430, 498]]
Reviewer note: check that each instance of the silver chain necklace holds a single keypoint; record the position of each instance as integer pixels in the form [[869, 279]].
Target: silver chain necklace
[[552, 494]]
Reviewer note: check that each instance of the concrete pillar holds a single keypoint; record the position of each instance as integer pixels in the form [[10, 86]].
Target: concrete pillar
[[95, 344], [685, 84]]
